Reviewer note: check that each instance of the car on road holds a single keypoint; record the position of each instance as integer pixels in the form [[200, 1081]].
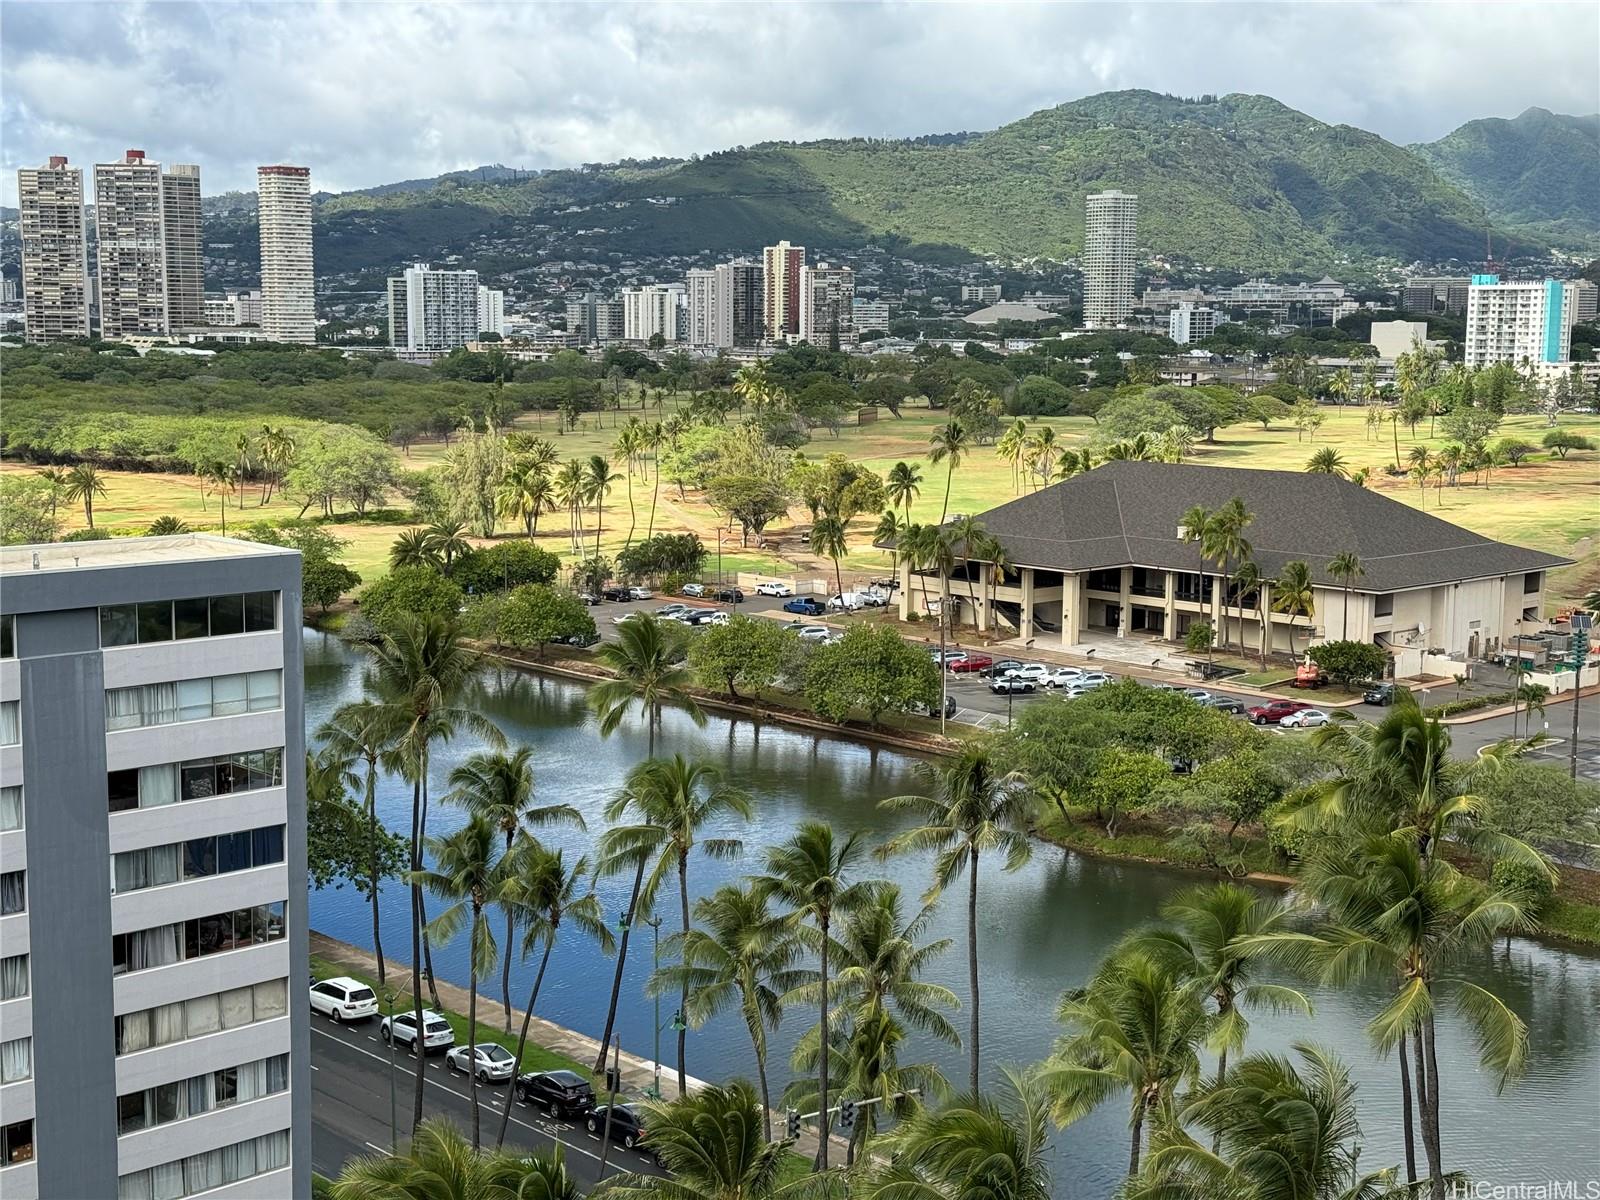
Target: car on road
[[1063, 676], [559, 1093], [589, 598], [669, 611], [626, 1125], [615, 592], [639, 592], [1226, 704], [402, 1029], [490, 1062], [581, 640], [1381, 694], [875, 597], [971, 663], [846, 601], [1306, 718], [1274, 711], [694, 589], [814, 633], [344, 999], [771, 587], [1034, 673], [1002, 666], [806, 606], [1088, 683], [948, 658], [1011, 683], [728, 595], [634, 615]]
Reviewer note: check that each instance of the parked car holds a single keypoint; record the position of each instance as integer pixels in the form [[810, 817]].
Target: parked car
[[846, 601], [632, 615], [806, 606], [640, 593], [1034, 673], [615, 592], [1274, 711], [627, 1126], [1011, 683], [971, 663], [1003, 666], [1227, 704], [670, 611], [728, 595], [1063, 677], [814, 633], [694, 589], [949, 657], [875, 597], [710, 616], [1379, 693], [1087, 684], [1306, 718], [589, 598], [559, 1093], [402, 1028], [580, 640], [1199, 695], [922, 710], [490, 1061], [344, 999], [771, 587]]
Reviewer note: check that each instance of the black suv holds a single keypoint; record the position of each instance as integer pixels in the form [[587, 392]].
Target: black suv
[[559, 1093], [728, 595], [627, 1126], [615, 593], [1379, 693]]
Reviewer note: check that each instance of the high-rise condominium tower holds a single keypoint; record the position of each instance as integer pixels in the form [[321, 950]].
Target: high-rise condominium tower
[[180, 208], [827, 305], [1519, 322], [55, 261], [129, 218], [781, 310], [433, 311], [1110, 230], [152, 870], [288, 286]]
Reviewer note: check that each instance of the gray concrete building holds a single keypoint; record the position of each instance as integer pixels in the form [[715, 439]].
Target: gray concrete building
[[55, 261], [153, 1039]]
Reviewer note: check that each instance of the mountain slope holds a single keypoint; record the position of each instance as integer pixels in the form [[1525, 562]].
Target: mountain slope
[[1540, 170]]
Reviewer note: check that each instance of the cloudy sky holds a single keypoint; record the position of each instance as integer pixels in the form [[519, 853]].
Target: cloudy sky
[[375, 92]]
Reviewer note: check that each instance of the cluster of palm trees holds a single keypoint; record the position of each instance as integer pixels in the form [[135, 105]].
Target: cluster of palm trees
[[535, 482], [1037, 457], [437, 546], [80, 484]]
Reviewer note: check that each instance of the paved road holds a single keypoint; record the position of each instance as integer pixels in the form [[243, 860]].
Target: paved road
[[350, 1106]]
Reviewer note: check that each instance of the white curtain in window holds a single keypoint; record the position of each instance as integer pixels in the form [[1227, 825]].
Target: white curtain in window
[[201, 1171], [155, 947], [165, 864], [266, 690], [10, 808], [272, 1151], [238, 1008], [14, 977], [11, 722], [272, 999], [194, 699], [16, 1060], [133, 1032], [202, 1015], [168, 1023], [134, 1186], [239, 1160], [228, 695], [252, 1081], [13, 892], [166, 1181], [128, 871], [122, 708], [202, 1094], [158, 785], [277, 1073]]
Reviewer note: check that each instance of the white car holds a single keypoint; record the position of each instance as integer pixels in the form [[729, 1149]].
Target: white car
[[628, 616], [1087, 684], [491, 1062], [847, 602], [1063, 677], [402, 1028], [771, 588], [814, 633], [672, 610], [875, 597], [344, 999], [1035, 673], [694, 589], [1306, 718], [711, 618]]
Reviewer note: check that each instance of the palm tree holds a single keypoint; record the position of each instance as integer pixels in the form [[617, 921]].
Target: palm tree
[[524, 493], [440, 1165], [975, 1148], [539, 888], [414, 548], [671, 801], [967, 532], [1136, 1028], [1248, 580], [166, 527], [1326, 461], [630, 444], [57, 480], [933, 546], [890, 529], [740, 952], [949, 441], [277, 453], [1293, 594], [219, 478], [1042, 450], [244, 449], [1346, 566], [467, 874], [752, 384], [1073, 463], [1227, 544], [902, 485], [971, 807], [828, 539], [498, 786], [570, 489], [810, 873], [1197, 529], [420, 669], [648, 661], [1011, 446], [363, 731], [449, 542], [84, 485], [710, 1142], [598, 478]]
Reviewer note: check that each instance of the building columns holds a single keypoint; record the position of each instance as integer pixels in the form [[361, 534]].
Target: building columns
[[1025, 620], [1169, 623], [903, 574], [1071, 607], [1125, 603]]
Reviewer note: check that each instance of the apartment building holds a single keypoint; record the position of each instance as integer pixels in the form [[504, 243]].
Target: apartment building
[[234, 308], [827, 313], [433, 311], [652, 309], [781, 304], [288, 281], [152, 871], [1435, 293], [870, 314], [1519, 322], [594, 320], [1111, 228], [491, 310], [980, 293], [182, 246], [129, 219], [55, 260], [1187, 323]]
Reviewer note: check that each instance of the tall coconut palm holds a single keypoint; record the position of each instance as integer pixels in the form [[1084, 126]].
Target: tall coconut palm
[[598, 478], [571, 492], [1011, 447], [1073, 463], [466, 874], [669, 802], [1197, 528], [420, 669], [890, 528], [498, 786], [1346, 567], [84, 486], [364, 732], [277, 453], [1135, 1028], [828, 540], [523, 494], [1042, 451], [992, 1147], [1326, 461], [244, 449], [57, 480], [1227, 545], [967, 532], [655, 436], [738, 953], [971, 807], [902, 485], [811, 874], [949, 443], [440, 1165], [543, 892], [1248, 580], [934, 546], [630, 444], [1293, 594]]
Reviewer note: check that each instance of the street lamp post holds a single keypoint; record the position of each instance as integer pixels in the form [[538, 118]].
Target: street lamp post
[[655, 950]]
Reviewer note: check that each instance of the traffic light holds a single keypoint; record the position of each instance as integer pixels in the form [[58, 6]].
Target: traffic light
[[847, 1115], [792, 1124]]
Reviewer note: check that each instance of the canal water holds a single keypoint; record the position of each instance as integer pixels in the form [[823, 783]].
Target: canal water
[[1042, 929]]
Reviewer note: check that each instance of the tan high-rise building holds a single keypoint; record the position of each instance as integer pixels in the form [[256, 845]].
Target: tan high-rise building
[[781, 312], [827, 305], [288, 284], [129, 221], [55, 260], [1110, 229], [180, 205]]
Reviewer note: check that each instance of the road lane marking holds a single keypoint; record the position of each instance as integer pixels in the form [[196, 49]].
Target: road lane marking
[[314, 1067], [381, 1150]]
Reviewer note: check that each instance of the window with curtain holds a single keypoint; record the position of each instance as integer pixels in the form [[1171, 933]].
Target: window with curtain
[[271, 999], [134, 1186], [16, 1060], [266, 690], [203, 1015], [147, 704], [202, 1171], [158, 785], [10, 808], [167, 1181], [168, 1023], [14, 977], [272, 1151], [133, 1032], [238, 1007], [10, 723], [13, 893]]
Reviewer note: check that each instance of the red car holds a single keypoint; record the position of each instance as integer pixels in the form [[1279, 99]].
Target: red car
[[1271, 714], [971, 663]]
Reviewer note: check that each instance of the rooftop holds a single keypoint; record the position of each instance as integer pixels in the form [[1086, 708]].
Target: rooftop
[[1008, 311], [128, 552]]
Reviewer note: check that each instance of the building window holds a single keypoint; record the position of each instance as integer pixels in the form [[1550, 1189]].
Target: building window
[[10, 808], [152, 866], [1383, 605], [13, 893], [192, 617], [201, 1015], [194, 779], [16, 1142], [202, 1172], [1532, 582], [200, 1094], [1105, 581], [16, 1060], [10, 723], [197, 937], [13, 977], [8, 636], [193, 699]]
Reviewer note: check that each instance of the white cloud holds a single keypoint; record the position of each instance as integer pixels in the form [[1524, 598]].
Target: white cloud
[[370, 93]]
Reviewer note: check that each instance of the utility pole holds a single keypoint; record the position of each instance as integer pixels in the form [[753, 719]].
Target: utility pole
[[612, 1084], [1581, 624]]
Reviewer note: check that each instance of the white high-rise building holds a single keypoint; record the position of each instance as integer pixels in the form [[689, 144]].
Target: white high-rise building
[[827, 309], [1111, 228], [288, 283], [651, 309], [182, 246], [1188, 323], [491, 310], [55, 260], [433, 311], [1519, 322], [871, 314], [129, 218], [710, 308], [234, 308], [594, 320]]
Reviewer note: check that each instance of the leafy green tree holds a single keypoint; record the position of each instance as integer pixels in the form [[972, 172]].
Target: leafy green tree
[[537, 615], [750, 498], [27, 514], [1134, 413], [340, 846], [473, 474], [1346, 662], [1512, 450], [503, 566], [871, 669], [749, 652], [1124, 780], [340, 462], [440, 1165], [1199, 637], [1563, 441], [411, 592]]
